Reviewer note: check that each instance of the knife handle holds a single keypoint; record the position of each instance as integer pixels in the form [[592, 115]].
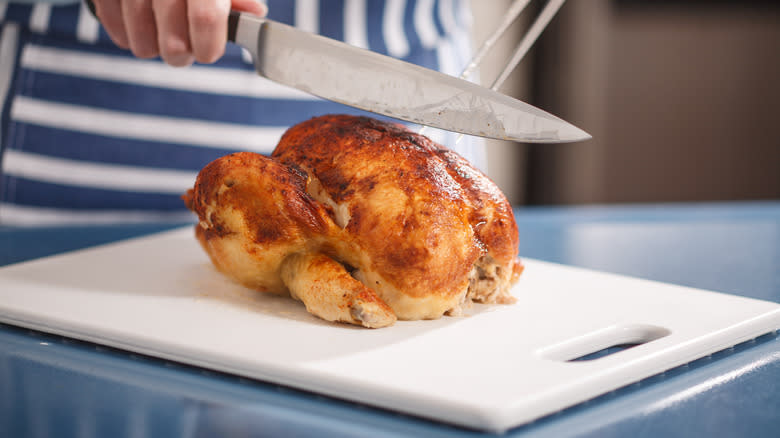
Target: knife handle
[[232, 25], [91, 6], [244, 29]]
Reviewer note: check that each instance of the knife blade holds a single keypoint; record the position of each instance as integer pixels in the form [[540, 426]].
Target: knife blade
[[383, 85]]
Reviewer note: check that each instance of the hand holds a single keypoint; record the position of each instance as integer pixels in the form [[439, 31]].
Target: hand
[[179, 31]]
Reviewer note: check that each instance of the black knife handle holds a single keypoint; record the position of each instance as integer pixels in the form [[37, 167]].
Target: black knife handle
[[232, 25], [91, 7]]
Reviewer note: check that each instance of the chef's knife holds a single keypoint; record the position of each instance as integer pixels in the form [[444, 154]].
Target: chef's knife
[[370, 81]]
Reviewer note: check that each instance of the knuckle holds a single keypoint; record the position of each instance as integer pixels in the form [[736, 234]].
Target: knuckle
[[180, 61], [135, 9], [120, 41], [138, 5], [174, 48], [204, 17], [144, 51], [209, 57]]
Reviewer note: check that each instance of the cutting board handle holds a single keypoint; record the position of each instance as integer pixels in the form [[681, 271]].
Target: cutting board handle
[[594, 342]]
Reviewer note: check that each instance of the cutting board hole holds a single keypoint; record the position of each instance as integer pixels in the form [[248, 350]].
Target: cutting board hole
[[603, 352], [603, 343]]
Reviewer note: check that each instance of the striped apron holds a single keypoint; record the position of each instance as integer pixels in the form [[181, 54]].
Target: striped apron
[[90, 134]]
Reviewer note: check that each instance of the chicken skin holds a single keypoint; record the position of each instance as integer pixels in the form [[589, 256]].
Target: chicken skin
[[363, 221]]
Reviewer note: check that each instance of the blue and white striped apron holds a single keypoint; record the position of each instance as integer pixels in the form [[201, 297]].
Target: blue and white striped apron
[[91, 134]]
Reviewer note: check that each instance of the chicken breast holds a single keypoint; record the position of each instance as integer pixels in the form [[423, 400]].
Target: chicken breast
[[362, 220]]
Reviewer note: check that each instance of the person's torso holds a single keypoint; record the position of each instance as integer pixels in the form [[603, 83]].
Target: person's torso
[[91, 134]]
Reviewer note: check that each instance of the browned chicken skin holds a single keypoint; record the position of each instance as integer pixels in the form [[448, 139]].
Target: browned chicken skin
[[362, 220]]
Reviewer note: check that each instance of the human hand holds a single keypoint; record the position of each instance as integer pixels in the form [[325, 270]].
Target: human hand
[[179, 31]]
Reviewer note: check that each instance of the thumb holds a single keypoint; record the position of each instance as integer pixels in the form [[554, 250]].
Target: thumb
[[255, 7]]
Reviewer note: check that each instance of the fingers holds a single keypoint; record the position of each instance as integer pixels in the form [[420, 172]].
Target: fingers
[[208, 28], [141, 27], [179, 31], [208, 25], [109, 13], [254, 7], [173, 36]]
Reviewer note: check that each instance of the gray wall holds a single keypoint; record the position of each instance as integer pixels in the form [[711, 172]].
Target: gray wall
[[682, 100]]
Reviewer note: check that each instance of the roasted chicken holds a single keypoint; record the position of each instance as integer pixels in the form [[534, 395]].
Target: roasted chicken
[[362, 220]]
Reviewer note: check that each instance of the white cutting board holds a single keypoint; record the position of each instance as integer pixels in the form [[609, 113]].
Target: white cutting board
[[498, 367]]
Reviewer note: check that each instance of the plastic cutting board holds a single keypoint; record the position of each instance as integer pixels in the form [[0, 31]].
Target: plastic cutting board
[[495, 368]]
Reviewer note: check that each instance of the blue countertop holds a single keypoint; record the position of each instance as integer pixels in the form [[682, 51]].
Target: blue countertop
[[54, 386]]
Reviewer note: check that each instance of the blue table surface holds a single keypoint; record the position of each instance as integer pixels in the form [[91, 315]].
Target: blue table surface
[[54, 386]]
